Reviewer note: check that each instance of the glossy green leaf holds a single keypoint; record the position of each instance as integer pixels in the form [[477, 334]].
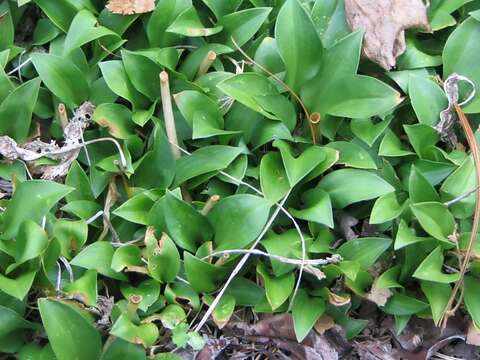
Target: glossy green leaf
[[298, 44], [439, 13], [305, 312], [203, 276], [273, 178], [30, 242], [348, 186], [23, 206], [19, 105], [84, 288], [428, 99], [221, 7], [241, 25], [144, 334], [400, 304], [277, 289], [117, 118], [431, 266], [435, 219], [119, 348], [406, 236], [12, 321], [71, 335], [345, 93], [60, 12], [77, 179], [248, 214], [62, 77], [364, 251], [125, 256], [148, 292], [188, 24], [472, 287], [420, 190], [299, 167], [136, 209], [391, 146], [143, 73], [330, 20], [437, 295], [163, 259], [317, 208], [19, 286], [387, 207], [71, 236], [353, 155]]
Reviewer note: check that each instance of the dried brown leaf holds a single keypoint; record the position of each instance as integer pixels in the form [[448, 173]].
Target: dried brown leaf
[[129, 7], [473, 335], [324, 323], [379, 295], [385, 22]]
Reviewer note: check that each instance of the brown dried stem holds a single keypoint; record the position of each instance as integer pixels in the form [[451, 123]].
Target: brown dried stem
[[207, 62], [211, 202], [168, 114], [62, 114], [472, 143]]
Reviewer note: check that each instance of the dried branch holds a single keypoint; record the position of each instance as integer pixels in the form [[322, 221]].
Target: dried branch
[[206, 63], [168, 114]]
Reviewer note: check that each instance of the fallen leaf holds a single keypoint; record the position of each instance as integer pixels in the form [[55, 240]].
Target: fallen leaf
[[385, 22], [473, 335], [324, 323], [129, 7], [379, 295], [338, 300], [376, 350]]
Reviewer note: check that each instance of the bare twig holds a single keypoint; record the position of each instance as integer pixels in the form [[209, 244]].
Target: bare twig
[[19, 67], [206, 63], [168, 113], [312, 262], [212, 200], [451, 90], [460, 197]]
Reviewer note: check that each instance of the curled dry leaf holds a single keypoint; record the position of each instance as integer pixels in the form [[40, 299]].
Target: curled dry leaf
[[324, 323], [36, 149], [338, 300], [379, 295], [128, 7], [385, 22]]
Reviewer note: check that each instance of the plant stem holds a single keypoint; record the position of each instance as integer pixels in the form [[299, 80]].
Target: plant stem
[[168, 113], [62, 114], [206, 63]]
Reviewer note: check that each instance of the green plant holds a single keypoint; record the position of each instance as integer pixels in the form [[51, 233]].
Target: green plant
[[217, 155]]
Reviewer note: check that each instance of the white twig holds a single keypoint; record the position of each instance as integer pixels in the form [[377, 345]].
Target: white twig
[[460, 197], [67, 267], [283, 259], [19, 67], [94, 217], [239, 266], [44, 222], [59, 277], [87, 155]]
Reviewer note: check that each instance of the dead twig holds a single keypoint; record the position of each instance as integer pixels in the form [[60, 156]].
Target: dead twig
[[168, 114]]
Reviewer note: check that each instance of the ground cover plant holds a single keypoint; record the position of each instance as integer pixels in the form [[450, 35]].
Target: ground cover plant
[[240, 179]]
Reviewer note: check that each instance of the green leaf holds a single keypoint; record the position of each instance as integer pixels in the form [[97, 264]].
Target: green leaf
[[145, 334], [428, 99], [7, 30], [70, 334], [406, 236], [119, 348], [364, 251], [148, 291], [400, 304], [84, 29], [84, 288], [459, 56], [45, 31], [18, 287], [387, 207], [298, 44], [241, 25], [472, 287], [62, 77], [391, 146], [422, 138], [353, 155], [117, 118], [299, 167], [248, 214], [201, 113], [77, 179], [188, 24], [71, 236], [163, 259], [437, 295], [330, 20], [203, 276], [30, 242], [98, 256], [124, 256], [23, 206], [431, 269], [337, 90], [435, 219], [143, 73], [221, 7], [12, 321], [277, 289], [420, 190], [223, 311], [205, 160], [136, 209], [368, 131], [116, 77], [60, 12], [348, 186], [439, 13], [273, 178], [317, 208], [19, 105], [306, 310]]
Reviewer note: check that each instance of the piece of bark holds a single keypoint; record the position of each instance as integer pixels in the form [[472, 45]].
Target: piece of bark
[[385, 22], [129, 7]]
